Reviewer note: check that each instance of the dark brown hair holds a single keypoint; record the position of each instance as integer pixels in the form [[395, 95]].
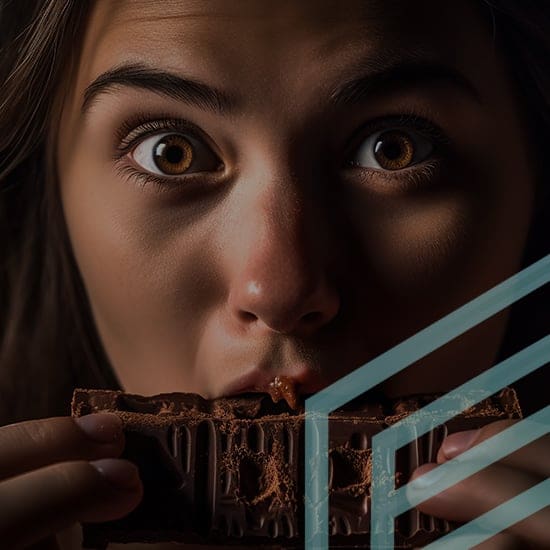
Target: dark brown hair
[[48, 341]]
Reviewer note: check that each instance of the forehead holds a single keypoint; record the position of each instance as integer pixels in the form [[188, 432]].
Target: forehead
[[261, 18], [257, 46]]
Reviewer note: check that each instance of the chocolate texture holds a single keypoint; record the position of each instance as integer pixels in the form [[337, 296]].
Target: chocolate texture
[[230, 471]]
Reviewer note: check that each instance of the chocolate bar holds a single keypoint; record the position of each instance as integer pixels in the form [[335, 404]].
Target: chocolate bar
[[230, 471]]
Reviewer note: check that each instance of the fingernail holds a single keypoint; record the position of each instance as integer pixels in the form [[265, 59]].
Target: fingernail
[[120, 473], [101, 427], [425, 480], [459, 442]]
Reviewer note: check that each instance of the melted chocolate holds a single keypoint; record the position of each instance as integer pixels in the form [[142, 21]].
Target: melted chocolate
[[283, 387]]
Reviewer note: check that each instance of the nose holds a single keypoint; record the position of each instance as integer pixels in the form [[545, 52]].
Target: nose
[[282, 283]]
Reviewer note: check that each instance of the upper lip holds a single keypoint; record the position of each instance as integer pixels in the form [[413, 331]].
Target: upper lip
[[257, 379]]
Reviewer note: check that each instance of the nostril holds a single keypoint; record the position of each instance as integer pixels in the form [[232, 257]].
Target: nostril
[[312, 317], [247, 317]]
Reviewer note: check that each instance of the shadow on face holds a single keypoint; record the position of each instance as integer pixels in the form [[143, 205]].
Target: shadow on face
[[252, 191]]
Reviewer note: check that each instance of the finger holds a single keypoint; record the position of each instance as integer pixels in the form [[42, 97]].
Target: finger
[[532, 458], [31, 445], [45, 501], [483, 491], [501, 541]]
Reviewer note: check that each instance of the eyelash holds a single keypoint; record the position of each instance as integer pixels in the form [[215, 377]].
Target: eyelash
[[140, 126], [415, 175]]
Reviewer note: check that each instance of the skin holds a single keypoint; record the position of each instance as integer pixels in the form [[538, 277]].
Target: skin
[[277, 257], [285, 262]]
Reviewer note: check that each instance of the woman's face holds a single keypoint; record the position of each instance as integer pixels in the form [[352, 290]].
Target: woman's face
[[255, 190]]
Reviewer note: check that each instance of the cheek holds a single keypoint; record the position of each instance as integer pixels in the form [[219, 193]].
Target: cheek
[[457, 239], [414, 242], [143, 266]]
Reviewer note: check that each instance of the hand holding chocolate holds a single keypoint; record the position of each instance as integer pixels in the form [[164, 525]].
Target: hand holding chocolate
[[230, 471]]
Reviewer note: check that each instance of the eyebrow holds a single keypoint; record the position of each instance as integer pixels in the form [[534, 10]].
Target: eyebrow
[[137, 75], [404, 75], [407, 74]]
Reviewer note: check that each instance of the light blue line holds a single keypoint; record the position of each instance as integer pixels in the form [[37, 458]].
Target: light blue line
[[499, 518], [392, 503], [468, 394], [382, 523], [316, 482], [393, 361], [429, 339], [471, 461]]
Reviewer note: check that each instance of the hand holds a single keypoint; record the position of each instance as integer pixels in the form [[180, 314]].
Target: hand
[[494, 485], [59, 471]]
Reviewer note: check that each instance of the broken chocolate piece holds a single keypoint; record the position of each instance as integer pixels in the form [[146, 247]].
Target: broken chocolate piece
[[282, 387], [231, 471]]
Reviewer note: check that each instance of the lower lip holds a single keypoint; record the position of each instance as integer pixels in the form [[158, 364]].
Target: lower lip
[[242, 385], [301, 374], [250, 389]]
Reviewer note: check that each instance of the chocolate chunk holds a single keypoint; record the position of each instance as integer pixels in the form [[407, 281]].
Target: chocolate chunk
[[231, 471], [283, 388]]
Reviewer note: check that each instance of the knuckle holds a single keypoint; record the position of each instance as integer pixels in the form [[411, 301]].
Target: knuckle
[[40, 432]]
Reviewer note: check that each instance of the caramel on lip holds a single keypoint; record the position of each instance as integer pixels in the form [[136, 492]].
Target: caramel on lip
[[283, 387]]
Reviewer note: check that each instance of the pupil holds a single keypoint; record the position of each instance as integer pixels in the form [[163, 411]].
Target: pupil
[[173, 154], [391, 150]]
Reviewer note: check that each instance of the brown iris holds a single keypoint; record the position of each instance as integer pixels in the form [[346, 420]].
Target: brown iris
[[173, 154], [394, 150]]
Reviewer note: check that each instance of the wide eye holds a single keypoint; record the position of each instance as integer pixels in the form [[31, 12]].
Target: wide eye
[[392, 150], [172, 154]]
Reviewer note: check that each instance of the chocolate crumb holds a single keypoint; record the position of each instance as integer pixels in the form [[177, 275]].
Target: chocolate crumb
[[283, 388], [230, 471]]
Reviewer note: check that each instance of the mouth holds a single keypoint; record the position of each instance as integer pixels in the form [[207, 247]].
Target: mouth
[[291, 384], [247, 383]]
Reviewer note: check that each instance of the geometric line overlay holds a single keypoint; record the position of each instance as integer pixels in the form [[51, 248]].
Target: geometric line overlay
[[475, 459], [496, 520], [388, 503], [318, 406]]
